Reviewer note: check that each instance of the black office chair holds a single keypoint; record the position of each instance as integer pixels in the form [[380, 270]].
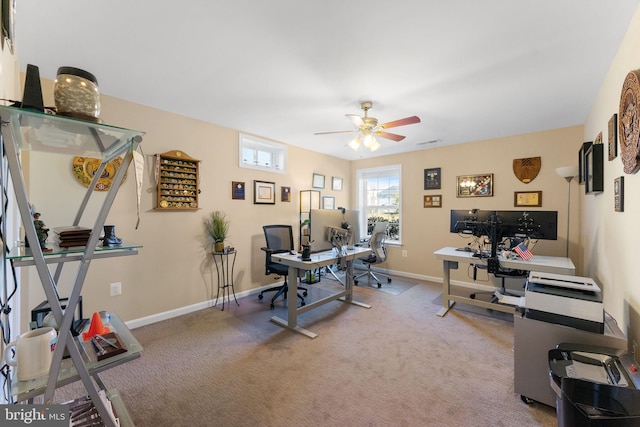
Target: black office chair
[[502, 274], [379, 255], [279, 239]]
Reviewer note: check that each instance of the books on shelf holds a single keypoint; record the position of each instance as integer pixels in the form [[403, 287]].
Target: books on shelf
[[72, 235]]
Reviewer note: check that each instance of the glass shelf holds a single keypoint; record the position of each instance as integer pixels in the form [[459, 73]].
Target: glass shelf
[[23, 254], [68, 373], [36, 131]]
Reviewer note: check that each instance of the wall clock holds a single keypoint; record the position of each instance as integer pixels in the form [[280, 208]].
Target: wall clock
[[629, 122]]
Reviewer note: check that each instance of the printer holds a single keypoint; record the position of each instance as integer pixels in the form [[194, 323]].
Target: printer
[[567, 300]]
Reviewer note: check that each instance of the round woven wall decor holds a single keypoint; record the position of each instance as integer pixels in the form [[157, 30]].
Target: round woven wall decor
[[629, 122]]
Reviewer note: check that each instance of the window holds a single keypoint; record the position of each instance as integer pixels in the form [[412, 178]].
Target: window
[[257, 153], [378, 199]]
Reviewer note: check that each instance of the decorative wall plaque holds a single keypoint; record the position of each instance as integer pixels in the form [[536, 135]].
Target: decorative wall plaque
[[613, 137], [629, 122], [527, 169]]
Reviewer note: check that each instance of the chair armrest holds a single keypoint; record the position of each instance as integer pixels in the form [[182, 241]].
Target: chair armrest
[[266, 249]]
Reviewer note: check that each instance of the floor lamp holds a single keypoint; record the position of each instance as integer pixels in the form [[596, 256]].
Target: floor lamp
[[568, 172]]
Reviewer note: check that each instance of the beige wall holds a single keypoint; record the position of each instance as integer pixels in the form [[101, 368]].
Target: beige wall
[[174, 269], [427, 229], [609, 238]]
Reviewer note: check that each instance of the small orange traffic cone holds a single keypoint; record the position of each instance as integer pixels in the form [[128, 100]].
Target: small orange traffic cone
[[96, 327]]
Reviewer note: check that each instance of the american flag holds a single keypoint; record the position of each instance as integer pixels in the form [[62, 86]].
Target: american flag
[[523, 251]]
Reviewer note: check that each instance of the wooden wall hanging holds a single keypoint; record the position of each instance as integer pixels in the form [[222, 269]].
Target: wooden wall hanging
[[178, 179], [629, 122], [527, 169]]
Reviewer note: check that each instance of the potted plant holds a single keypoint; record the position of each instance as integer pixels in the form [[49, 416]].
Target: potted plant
[[218, 228]]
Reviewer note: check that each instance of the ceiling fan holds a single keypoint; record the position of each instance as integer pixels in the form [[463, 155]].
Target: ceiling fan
[[368, 128]]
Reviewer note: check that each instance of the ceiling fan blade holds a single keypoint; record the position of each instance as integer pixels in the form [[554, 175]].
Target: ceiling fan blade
[[402, 122], [392, 136], [335, 131], [356, 119]]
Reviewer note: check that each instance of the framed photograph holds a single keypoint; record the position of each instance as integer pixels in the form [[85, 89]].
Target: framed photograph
[[264, 193], [433, 201], [285, 194], [475, 185], [328, 202], [613, 137], [318, 181], [527, 198], [618, 194], [336, 183], [581, 163], [432, 179], [593, 169], [237, 190]]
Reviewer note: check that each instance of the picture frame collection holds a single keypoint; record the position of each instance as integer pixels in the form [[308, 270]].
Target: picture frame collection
[[264, 192]]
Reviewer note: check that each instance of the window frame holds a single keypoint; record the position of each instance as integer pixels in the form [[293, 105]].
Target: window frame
[[362, 175], [276, 150]]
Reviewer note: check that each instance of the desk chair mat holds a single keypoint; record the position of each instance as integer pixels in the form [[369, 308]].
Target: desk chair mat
[[397, 286]]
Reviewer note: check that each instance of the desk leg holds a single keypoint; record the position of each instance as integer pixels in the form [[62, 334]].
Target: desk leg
[[348, 286], [446, 286], [292, 307]]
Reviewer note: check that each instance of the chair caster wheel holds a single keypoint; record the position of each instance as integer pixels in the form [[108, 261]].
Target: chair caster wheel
[[379, 285], [526, 400], [355, 282], [273, 307], [302, 304], [472, 296], [388, 279], [304, 293], [260, 296]]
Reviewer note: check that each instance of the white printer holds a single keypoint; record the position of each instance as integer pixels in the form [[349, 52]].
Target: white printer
[[567, 300]]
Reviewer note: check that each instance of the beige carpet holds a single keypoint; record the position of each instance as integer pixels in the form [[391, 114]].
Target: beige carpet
[[396, 364]]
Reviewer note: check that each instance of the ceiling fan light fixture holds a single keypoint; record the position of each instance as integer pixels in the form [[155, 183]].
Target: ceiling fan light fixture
[[375, 145], [369, 140], [355, 143]]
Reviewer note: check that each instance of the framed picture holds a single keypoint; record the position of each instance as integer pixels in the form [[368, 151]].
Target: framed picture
[[285, 194], [433, 201], [475, 185], [618, 194], [264, 193], [237, 190], [328, 202], [593, 169], [432, 179], [612, 137], [336, 183], [527, 198], [581, 163], [318, 181]]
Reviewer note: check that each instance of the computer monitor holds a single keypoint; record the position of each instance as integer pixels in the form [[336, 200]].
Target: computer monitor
[[542, 225], [470, 221], [322, 219]]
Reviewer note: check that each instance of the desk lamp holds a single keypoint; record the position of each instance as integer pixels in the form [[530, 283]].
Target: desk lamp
[[568, 173]]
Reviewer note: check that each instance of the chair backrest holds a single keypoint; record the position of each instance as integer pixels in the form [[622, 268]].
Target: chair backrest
[[376, 242], [279, 238]]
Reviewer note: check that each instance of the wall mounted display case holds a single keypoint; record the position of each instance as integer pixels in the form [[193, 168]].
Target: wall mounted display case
[[178, 181]]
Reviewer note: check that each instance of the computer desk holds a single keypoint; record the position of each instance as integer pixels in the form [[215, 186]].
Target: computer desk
[[451, 257], [318, 260]]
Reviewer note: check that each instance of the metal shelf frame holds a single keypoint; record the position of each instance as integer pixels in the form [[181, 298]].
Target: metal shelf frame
[[27, 130]]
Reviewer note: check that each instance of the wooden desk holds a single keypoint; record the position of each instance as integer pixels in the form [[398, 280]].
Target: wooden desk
[[451, 257], [321, 259]]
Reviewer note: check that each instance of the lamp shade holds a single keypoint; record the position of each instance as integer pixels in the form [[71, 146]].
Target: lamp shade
[[567, 171]]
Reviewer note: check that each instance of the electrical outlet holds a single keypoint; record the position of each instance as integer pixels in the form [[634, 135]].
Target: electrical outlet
[[404, 253], [115, 288]]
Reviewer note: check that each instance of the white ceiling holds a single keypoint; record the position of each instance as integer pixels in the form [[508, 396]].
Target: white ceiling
[[284, 69]]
